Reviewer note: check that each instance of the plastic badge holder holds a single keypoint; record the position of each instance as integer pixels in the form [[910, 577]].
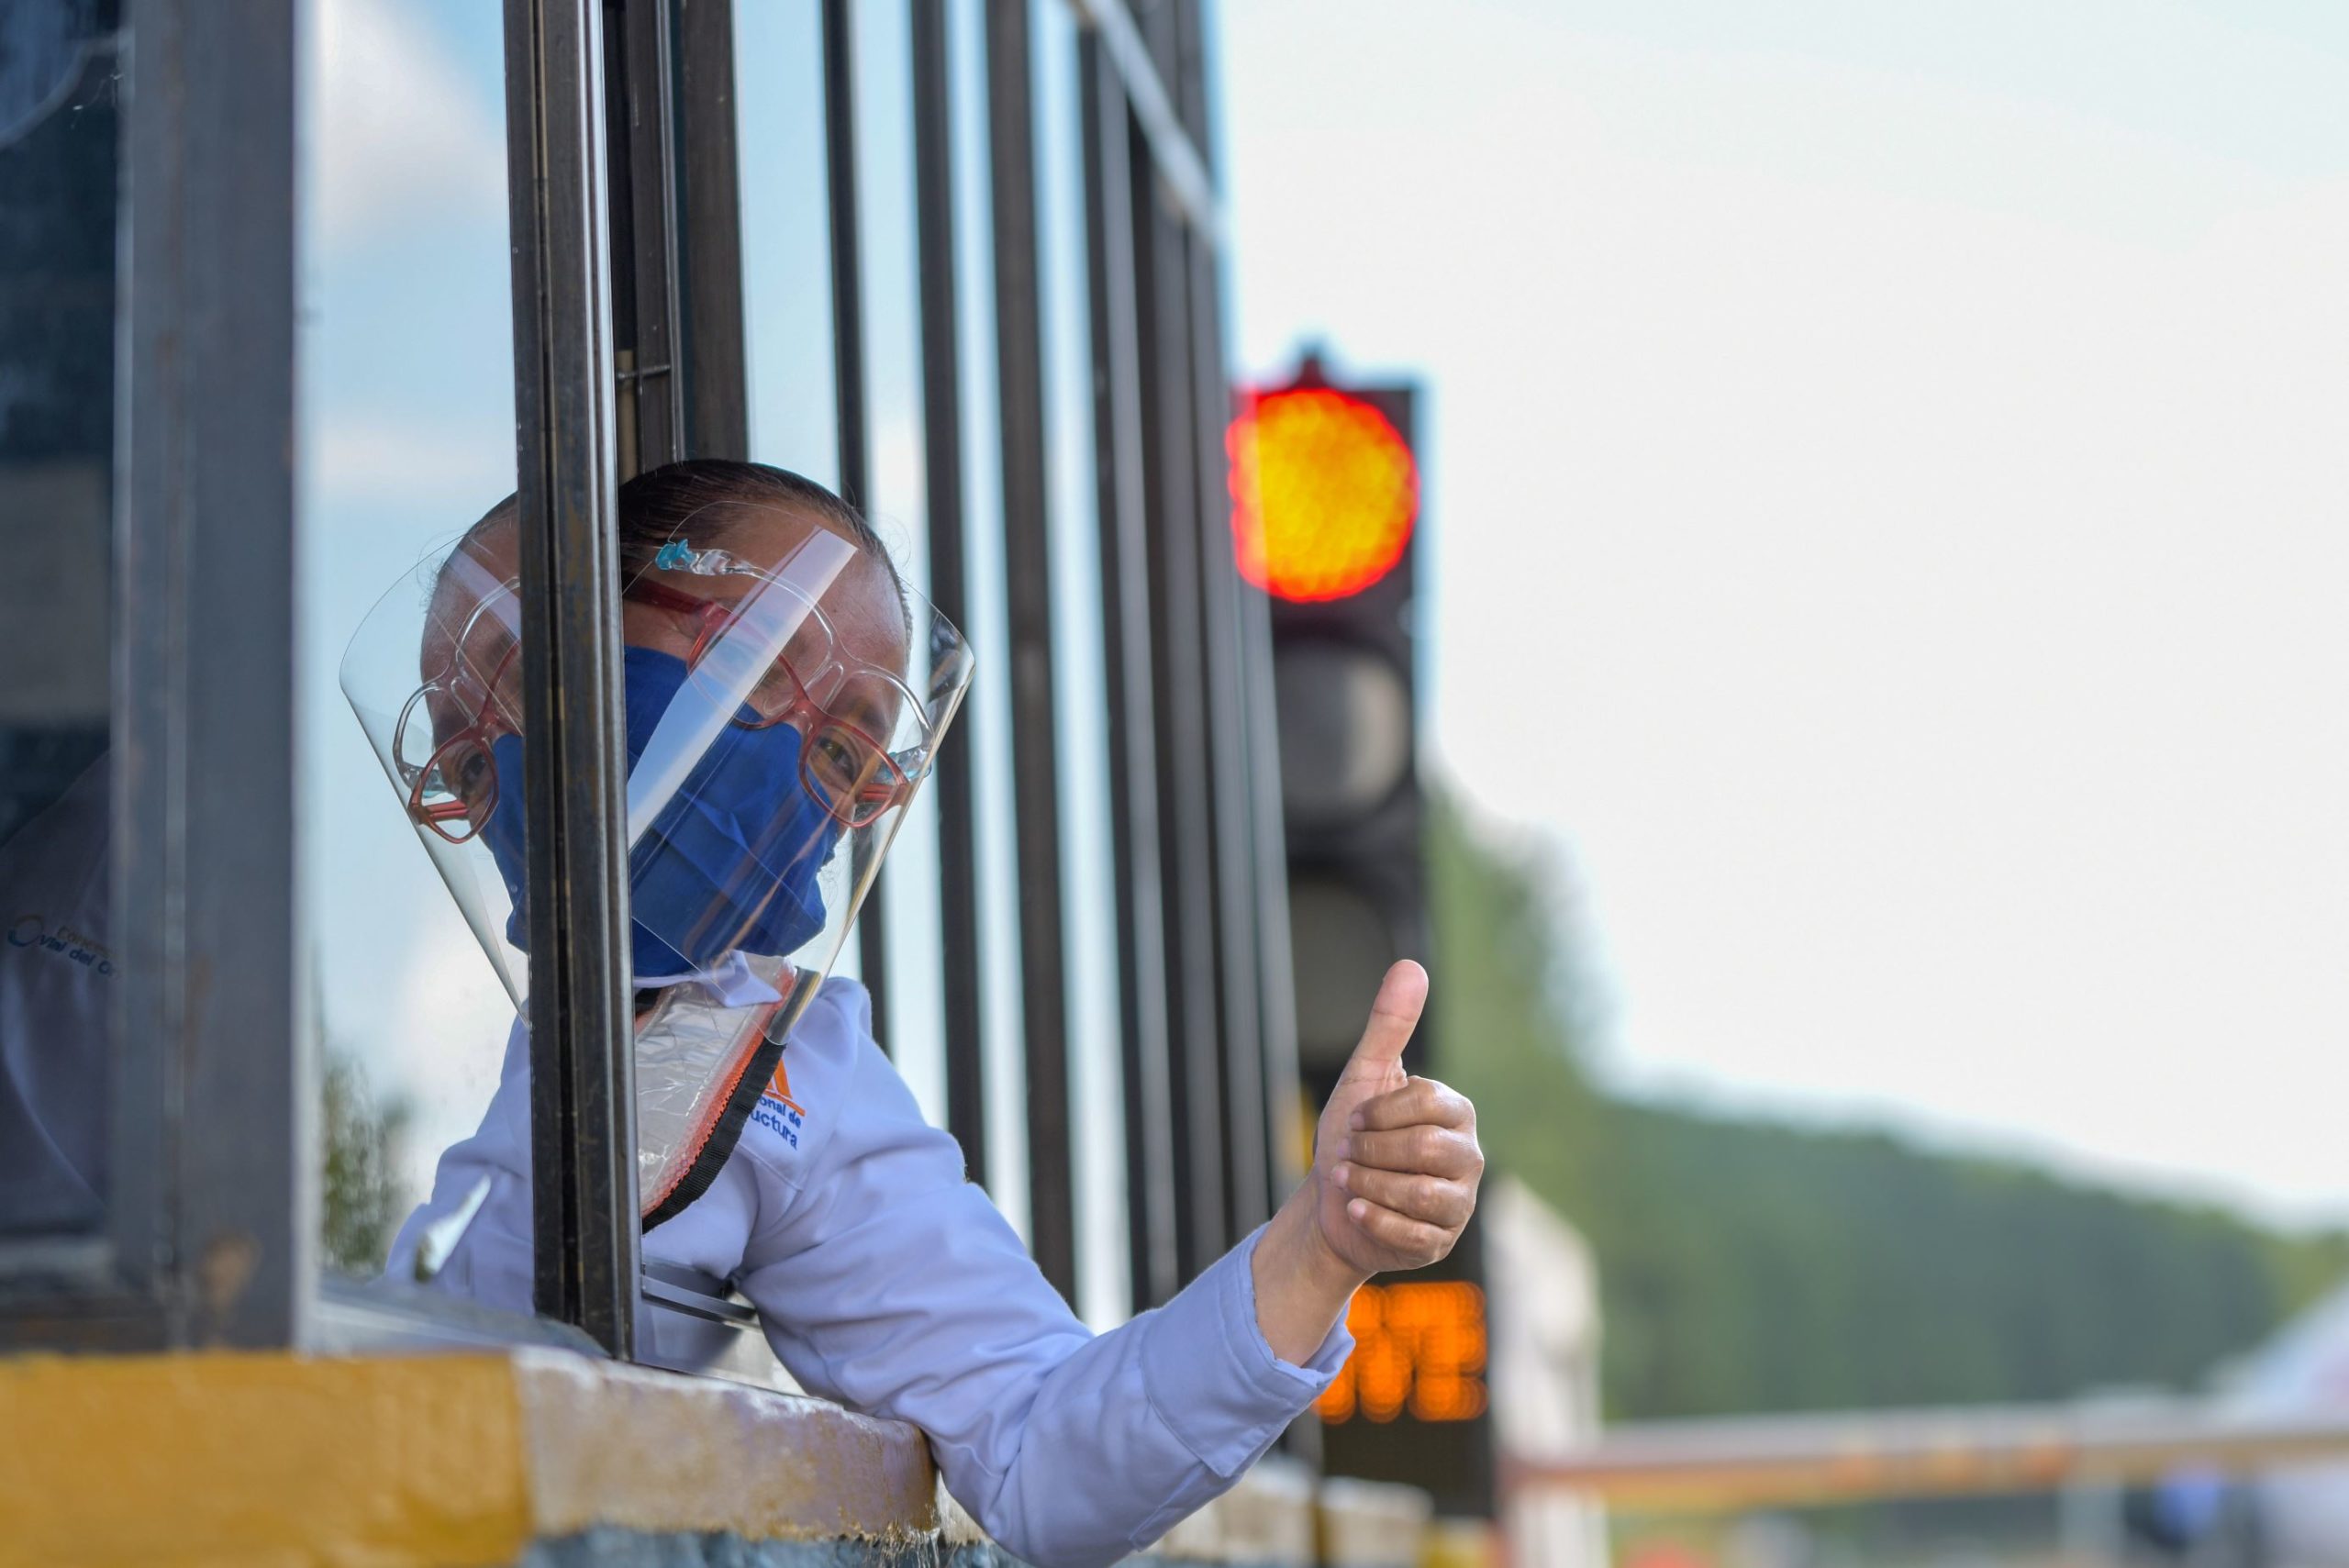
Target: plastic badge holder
[[701, 1069]]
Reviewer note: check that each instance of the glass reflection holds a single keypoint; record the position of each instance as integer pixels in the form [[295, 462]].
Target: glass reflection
[[407, 423], [59, 146]]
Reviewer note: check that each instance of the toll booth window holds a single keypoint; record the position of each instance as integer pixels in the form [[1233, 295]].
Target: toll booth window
[[897, 491], [406, 422], [787, 307], [60, 144]]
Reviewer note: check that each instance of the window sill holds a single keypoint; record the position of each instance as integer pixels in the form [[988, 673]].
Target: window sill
[[438, 1458]]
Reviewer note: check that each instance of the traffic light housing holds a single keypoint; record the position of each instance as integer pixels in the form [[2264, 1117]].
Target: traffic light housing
[[1326, 520]]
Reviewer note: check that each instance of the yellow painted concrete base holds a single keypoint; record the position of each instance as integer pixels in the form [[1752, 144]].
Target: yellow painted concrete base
[[275, 1460], [1460, 1543]]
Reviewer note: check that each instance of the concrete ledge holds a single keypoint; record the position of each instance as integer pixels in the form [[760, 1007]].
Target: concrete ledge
[[648, 1451], [446, 1460], [539, 1457]]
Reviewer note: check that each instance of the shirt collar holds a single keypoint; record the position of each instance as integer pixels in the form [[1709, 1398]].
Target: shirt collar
[[730, 982]]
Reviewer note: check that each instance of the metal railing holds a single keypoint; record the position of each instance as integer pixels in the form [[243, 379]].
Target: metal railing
[[1794, 1460]]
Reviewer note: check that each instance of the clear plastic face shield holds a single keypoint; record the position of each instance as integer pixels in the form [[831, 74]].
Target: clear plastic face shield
[[785, 699]]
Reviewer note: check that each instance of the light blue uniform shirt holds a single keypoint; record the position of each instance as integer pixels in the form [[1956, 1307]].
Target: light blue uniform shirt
[[885, 1281]]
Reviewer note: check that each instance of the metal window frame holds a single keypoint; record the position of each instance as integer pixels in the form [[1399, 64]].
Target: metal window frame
[[1228, 1014], [640, 134], [208, 1238], [676, 227], [708, 205], [1172, 511], [1134, 822], [582, 1101], [1259, 1064], [1285, 1110], [941, 372], [1138, 60], [1028, 604], [675, 220], [1231, 865]]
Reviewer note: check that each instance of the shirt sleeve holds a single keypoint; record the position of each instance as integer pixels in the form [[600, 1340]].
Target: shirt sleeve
[[889, 1283]]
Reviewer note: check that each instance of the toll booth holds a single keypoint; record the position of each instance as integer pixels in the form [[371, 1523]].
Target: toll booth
[[295, 290], [1545, 1369]]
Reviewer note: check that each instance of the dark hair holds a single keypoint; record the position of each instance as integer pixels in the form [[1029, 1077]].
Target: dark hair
[[658, 504]]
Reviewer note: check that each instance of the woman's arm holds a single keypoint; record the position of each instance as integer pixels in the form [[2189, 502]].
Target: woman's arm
[[886, 1281]]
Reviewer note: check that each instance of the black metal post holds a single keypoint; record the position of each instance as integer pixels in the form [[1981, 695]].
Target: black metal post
[[1027, 573], [649, 404], [582, 1101], [1125, 625], [941, 393], [1285, 1153], [1233, 866], [709, 339], [1172, 504], [1258, 872]]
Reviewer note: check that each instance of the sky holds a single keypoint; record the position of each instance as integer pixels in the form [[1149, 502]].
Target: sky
[[1884, 491], [1883, 475]]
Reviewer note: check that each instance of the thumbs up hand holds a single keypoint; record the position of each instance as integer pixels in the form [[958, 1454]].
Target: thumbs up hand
[[1395, 1158], [1394, 1180]]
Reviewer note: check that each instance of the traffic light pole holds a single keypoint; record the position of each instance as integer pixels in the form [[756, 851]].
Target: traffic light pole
[[1328, 526]]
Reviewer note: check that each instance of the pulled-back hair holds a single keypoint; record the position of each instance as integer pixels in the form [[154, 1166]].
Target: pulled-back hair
[[660, 505]]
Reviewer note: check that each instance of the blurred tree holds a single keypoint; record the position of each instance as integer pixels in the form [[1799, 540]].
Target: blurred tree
[[362, 1200], [1747, 1265]]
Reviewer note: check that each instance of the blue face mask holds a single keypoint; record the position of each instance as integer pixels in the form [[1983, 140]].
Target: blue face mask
[[732, 862]]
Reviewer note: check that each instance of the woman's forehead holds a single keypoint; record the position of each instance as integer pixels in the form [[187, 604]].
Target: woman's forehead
[[864, 605], [474, 575], [868, 615]]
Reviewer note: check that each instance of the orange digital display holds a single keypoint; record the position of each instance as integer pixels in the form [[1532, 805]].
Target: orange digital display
[[1419, 1347], [1324, 492]]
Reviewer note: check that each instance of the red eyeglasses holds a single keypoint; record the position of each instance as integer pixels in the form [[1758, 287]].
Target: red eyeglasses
[[849, 773], [454, 789]]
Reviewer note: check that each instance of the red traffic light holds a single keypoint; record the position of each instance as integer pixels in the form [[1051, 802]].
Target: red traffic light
[[1324, 492]]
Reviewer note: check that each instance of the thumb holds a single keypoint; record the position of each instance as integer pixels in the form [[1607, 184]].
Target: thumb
[[1393, 1016]]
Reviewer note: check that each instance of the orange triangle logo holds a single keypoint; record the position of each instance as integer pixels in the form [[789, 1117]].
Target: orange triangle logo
[[779, 1087]]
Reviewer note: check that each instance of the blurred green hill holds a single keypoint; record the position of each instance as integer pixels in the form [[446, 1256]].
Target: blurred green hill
[[1749, 1265]]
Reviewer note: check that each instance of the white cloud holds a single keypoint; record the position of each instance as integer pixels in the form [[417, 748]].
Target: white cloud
[[412, 995], [393, 133], [448, 470], [444, 1046]]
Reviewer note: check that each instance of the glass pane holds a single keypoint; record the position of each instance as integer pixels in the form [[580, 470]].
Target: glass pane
[[59, 146], [898, 507], [407, 439], [786, 255]]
